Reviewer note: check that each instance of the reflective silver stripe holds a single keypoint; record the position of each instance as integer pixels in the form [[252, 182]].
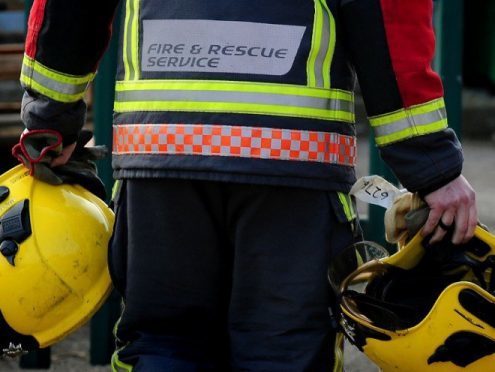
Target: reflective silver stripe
[[323, 49], [410, 122], [57, 86], [235, 97]]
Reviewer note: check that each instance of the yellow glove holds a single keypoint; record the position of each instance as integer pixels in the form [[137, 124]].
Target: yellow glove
[[396, 223]]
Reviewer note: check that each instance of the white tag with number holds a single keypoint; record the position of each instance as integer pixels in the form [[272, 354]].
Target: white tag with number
[[376, 190]]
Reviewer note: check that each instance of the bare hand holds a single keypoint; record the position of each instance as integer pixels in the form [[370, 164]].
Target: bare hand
[[64, 156], [453, 203]]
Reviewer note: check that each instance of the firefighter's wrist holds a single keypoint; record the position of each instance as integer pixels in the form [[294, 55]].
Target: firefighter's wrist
[[39, 112], [437, 185]]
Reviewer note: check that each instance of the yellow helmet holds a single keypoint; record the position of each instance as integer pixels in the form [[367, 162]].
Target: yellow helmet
[[53, 260], [425, 308]]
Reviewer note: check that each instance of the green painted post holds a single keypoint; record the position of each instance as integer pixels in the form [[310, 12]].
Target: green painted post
[[103, 98], [27, 8], [40, 359], [101, 339], [491, 42], [449, 21]]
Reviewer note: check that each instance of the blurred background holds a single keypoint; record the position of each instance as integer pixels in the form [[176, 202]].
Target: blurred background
[[465, 60]]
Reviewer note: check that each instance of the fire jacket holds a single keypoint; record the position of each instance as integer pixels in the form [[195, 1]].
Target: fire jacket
[[250, 90]]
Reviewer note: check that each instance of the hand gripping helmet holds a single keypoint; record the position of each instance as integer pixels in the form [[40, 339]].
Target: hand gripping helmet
[[53, 261], [425, 308]]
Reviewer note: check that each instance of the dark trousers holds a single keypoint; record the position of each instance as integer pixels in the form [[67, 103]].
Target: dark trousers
[[224, 277]]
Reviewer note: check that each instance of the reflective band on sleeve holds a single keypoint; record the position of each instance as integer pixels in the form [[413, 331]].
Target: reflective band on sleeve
[[53, 84], [322, 46], [238, 97], [415, 121], [235, 141]]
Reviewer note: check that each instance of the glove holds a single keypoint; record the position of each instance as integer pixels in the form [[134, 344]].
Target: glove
[[405, 217], [37, 148]]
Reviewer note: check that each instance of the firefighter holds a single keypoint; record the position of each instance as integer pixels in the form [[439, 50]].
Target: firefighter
[[234, 146]]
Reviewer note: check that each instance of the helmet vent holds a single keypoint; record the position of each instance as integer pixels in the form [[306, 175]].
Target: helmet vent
[[15, 224], [4, 192], [15, 227], [477, 305]]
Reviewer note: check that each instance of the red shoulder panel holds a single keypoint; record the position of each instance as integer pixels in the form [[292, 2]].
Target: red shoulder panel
[[35, 22], [411, 40]]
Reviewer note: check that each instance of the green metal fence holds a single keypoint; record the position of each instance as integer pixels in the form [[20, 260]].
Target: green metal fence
[[448, 24]]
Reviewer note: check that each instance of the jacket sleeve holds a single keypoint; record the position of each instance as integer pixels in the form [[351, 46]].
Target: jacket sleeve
[[64, 43], [391, 44]]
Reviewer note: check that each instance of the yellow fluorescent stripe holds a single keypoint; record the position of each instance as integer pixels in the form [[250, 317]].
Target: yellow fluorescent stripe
[[242, 108], [412, 132], [345, 200], [55, 75], [404, 113], [117, 362], [231, 86], [315, 44], [135, 40], [126, 40], [57, 96], [115, 188]]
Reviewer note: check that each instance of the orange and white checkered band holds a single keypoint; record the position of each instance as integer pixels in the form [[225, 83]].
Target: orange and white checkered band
[[236, 141]]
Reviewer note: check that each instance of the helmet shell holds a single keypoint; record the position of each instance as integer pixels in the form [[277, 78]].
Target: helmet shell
[[457, 334], [59, 276]]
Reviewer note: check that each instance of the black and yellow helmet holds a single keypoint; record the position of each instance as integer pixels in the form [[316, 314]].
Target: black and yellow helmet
[[425, 308], [53, 260]]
